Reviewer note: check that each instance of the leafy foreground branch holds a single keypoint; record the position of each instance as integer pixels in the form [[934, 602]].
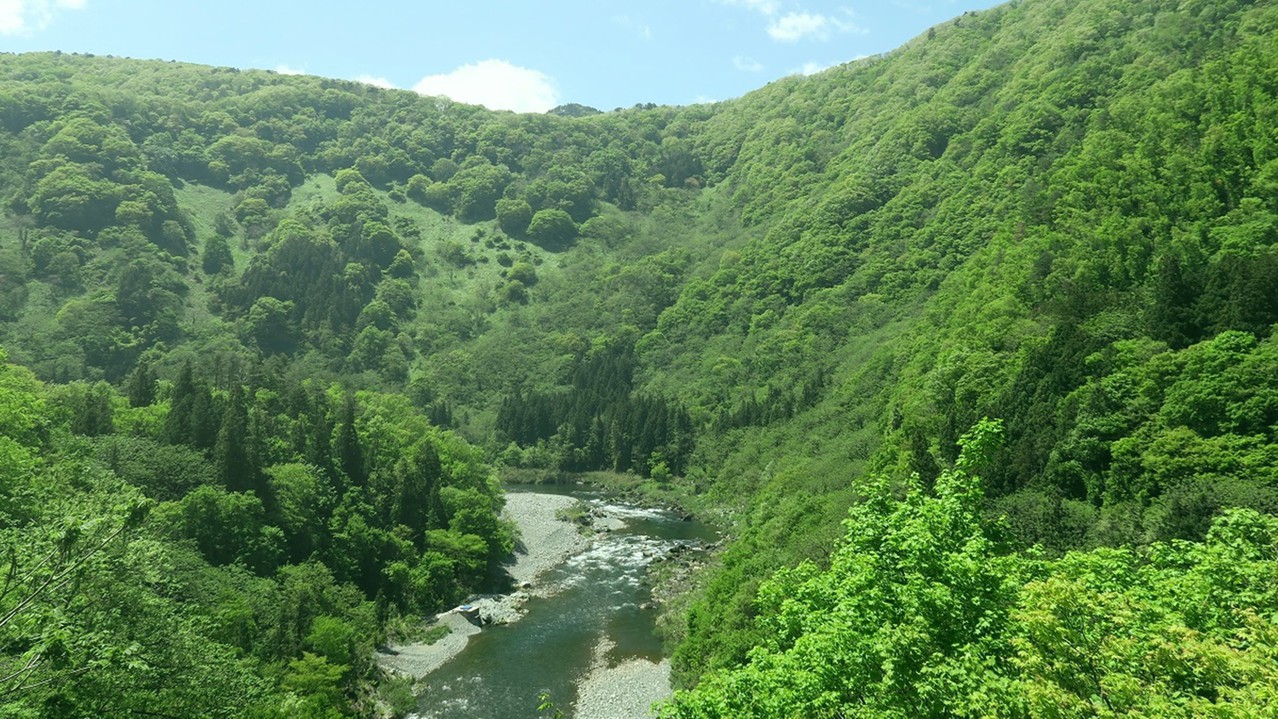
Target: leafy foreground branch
[[74, 547], [925, 613]]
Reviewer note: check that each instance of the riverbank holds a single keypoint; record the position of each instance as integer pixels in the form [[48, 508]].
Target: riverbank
[[674, 496], [545, 541], [418, 660], [626, 691]]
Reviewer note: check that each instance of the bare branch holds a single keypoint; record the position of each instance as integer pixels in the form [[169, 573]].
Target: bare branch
[[43, 682], [31, 664], [61, 577]]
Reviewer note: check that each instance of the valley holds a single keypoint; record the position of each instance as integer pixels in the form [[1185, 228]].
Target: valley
[[967, 348]]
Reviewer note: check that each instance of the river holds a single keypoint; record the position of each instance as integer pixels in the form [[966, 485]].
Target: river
[[591, 611]]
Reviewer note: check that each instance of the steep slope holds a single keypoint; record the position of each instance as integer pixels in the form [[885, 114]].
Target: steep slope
[[1032, 213], [924, 611]]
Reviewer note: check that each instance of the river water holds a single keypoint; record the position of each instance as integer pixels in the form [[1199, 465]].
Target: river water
[[597, 596]]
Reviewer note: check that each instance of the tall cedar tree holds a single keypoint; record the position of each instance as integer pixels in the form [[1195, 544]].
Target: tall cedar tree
[[349, 456], [418, 505], [141, 386], [232, 454], [179, 421]]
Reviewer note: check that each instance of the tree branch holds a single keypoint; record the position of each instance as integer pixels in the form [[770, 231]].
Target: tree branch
[[62, 576]]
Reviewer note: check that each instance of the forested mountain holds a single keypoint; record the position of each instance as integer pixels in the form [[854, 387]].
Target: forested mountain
[[1061, 215]]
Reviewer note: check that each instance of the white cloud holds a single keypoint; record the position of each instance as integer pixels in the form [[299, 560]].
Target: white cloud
[[747, 64], [287, 70], [812, 68], [799, 24], [796, 26], [495, 84], [767, 8], [376, 82], [11, 17], [24, 16]]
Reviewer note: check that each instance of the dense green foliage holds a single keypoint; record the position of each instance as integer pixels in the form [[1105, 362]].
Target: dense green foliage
[[223, 552], [1059, 213], [924, 612]]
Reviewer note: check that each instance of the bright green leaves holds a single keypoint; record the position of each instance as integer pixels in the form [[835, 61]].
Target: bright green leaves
[[318, 680], [921, 614], [1175, 435], [22, 410], [907, 617], [1183, 630], [89, 177], [513, 215], [241, 160], [70, 197], [477, 187], [92, 141]]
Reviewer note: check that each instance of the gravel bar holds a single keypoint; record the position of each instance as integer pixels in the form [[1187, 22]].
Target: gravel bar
[[545, 541], [626, 691]]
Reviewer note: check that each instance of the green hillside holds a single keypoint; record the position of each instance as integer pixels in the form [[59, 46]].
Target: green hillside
[[1058, 215]]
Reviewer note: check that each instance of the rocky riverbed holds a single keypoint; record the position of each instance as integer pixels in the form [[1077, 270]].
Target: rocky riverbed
[[579, 574]]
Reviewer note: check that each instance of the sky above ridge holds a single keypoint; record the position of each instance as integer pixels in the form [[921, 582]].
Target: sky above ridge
[[505, 54]]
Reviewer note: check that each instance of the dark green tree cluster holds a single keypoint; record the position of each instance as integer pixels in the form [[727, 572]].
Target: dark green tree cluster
[[600, 422], [304, 472], [337, 278]]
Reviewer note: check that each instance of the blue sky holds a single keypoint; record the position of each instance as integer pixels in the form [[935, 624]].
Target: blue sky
[[506, 54]]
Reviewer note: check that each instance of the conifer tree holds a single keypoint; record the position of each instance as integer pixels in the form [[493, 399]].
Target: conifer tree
[[141, 386], [417, 502], [205, 419], [231, 453], [93, 416], [318, 449], [179, 421], [350, 458]]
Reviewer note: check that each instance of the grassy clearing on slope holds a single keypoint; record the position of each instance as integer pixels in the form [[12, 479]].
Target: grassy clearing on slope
[[203, 204]]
